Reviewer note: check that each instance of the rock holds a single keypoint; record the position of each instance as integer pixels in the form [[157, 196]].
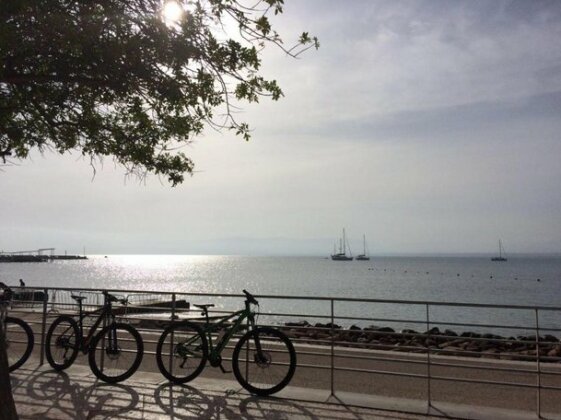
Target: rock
[[291, 333], [429, 342], [472, 346], [550, 338], [491, 354], [372, 328], [455, 343], [386, 329], [450, 333], [355, 328], [555, 352], [452, 351], [433, 331], [406, 331], [324, 336], [297, 324], [469, 334], [492, 337], [531, 338]]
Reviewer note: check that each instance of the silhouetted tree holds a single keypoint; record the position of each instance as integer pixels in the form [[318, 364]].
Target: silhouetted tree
[[115, 78]]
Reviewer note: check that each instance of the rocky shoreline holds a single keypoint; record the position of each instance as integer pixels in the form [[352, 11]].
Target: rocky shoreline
[[447, 342]]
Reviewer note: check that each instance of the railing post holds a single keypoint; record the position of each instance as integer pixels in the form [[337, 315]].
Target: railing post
[[104, 324], [43, 327], [428, 358], [332, 347], [538, 367], [172, 334]]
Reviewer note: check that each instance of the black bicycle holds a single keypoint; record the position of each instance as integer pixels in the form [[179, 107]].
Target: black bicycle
[[114, 353], [18, 335], [264, 359]]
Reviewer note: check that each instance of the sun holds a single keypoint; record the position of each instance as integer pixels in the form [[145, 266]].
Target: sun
[[172, 11]]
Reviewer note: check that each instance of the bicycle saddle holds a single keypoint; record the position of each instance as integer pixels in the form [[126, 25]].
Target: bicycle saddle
[[205, 307], [78, 298]]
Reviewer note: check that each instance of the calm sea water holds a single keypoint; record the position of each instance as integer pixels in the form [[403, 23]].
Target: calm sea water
[[520, 281]]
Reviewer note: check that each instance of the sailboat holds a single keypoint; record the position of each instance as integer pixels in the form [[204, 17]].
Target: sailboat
[[501, 252], [363, 256], [342, 254]]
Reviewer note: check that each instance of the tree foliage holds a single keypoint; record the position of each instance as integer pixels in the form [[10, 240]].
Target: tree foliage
[[114, 78]]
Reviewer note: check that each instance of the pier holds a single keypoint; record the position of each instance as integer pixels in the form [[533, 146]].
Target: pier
[[36, 255]]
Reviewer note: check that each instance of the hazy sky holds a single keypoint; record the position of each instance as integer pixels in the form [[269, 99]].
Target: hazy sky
[[429, 126]]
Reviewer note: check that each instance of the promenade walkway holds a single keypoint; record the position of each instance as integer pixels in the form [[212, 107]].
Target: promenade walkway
[[41, 393]]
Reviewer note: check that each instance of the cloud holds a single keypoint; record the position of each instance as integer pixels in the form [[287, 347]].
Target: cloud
[[430, 126]]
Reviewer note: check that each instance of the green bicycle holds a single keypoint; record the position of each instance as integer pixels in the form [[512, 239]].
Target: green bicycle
[[263, 361]]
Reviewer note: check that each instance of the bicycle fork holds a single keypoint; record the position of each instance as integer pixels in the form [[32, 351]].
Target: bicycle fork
[[113, 347]]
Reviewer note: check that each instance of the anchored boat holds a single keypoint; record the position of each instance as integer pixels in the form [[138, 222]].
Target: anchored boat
[[342, 254], [364, 256], [501, 252]]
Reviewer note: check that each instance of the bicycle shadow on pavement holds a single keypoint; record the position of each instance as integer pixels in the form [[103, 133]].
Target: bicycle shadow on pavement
[[187, 402], [53, 395]]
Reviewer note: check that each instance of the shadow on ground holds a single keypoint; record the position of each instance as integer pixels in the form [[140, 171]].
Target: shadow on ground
[[42, 393]]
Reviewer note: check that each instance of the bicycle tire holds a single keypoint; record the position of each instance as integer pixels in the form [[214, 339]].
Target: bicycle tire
[[68, 343], [266, 336], [16, 364], [114, 354], [200, 347]]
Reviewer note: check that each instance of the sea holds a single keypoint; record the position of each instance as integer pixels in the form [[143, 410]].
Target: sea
[[522, 280]]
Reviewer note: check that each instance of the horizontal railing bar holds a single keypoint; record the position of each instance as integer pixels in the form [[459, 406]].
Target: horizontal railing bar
[[308, 298]]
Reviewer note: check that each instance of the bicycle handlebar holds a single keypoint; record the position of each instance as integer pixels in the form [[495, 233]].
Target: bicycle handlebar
[[250, 297], [113, 298]]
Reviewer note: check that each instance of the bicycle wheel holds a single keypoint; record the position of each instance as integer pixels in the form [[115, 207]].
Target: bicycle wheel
[[182, 352], [264, 361], [116, 352], [62, 342], [19, 342]]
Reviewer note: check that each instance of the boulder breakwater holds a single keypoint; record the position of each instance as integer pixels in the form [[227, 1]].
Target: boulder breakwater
[[435, 341]]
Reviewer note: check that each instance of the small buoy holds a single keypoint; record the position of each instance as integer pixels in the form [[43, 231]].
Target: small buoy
[[539, 280], [427, 272], [490, 277], [516, 278], [458, 274]]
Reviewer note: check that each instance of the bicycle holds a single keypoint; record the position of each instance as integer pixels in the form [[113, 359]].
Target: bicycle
[[17, 349], [184, 348], [114, 353]]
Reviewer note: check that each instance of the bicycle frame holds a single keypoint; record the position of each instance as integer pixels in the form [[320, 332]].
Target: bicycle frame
[[240, 316], [105, 314]]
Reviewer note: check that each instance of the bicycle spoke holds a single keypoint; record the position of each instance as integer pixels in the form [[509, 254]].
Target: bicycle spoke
[[116, 353], [181, 353], [62, 343], [265, 368]]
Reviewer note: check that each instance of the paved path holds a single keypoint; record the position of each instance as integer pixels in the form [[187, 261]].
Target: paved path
[[42, 393]]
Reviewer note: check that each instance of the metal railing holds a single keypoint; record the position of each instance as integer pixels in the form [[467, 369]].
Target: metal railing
[[359, 358]]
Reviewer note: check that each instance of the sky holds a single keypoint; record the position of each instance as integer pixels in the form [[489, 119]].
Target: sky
[[428, 126]]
